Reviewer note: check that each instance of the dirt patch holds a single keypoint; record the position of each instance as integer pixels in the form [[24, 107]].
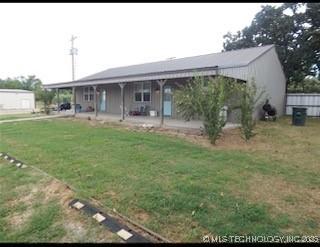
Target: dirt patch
[[284, 197], [17, 220], [142, 216], [27, 199], [56, 189]]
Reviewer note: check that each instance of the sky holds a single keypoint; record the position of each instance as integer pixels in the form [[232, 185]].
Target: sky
[[35, 37]]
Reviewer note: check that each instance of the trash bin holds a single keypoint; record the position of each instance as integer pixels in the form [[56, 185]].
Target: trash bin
[[299, 115]]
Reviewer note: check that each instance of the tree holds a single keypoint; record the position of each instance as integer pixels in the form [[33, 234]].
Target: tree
[[294, 32], [308, 85], [206, 98], [47, 98], [249, 98], [31, 83]]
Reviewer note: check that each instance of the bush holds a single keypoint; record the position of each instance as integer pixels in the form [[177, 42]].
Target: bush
[[47, 98], [206, 98], [248, 100]]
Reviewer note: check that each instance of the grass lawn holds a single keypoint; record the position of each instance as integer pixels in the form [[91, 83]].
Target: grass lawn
[[33, 208], [21, 115], [180, 189]]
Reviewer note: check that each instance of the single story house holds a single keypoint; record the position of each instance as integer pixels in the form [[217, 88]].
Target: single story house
[[147, 89], [16, 100]]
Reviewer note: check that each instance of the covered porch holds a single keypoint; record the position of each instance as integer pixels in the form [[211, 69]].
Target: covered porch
[[150, 102]]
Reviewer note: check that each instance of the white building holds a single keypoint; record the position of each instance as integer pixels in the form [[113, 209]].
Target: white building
[[16, 100]]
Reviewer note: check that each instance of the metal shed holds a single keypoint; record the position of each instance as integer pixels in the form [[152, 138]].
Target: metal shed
[[16, 100]]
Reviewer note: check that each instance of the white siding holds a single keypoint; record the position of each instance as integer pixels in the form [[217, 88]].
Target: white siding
[[238, 73], [17, 101], [268, 74]]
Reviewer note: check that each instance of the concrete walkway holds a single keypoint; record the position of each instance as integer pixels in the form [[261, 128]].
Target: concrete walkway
[[35, 118]]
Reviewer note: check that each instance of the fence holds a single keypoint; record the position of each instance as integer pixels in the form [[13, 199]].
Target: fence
[[311, 101]]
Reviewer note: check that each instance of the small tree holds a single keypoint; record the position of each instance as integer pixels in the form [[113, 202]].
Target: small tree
[[47, 98], [206, 98], [248, 101]]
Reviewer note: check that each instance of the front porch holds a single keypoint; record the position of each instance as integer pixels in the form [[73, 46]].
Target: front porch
[[122, 102]]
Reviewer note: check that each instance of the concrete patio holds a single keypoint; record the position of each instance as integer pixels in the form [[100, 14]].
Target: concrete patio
[[149, 121]]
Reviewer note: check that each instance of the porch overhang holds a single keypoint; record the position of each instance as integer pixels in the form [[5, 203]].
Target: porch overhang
[[139, 77]]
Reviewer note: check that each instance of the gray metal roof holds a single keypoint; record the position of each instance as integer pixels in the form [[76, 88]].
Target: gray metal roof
[[235, 58], [15, 91], [173, 68]]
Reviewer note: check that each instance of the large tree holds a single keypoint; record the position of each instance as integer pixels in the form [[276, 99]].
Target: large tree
[[294, 29]]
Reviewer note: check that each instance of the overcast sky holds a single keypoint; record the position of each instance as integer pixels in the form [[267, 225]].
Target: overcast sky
[[35, 38]]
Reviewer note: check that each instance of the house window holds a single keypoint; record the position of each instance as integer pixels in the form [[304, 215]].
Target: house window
[[88, 93], [142, 92]]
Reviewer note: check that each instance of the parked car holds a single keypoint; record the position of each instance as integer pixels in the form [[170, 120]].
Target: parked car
[[65, 106]]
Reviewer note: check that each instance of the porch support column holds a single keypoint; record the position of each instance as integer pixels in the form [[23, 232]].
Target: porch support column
[[95, 100], [58, 100], [74, 99], [122, 84], [161, 84]]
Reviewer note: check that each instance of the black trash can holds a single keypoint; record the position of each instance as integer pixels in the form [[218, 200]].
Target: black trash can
[[299, 115]]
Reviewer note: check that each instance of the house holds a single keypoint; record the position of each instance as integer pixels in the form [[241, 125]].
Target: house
[[147, 89], [16, 100]]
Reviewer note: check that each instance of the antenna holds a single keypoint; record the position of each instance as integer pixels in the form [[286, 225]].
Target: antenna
[[73, 51]]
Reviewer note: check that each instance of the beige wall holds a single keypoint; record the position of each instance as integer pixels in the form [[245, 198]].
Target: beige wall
[[113, 99]]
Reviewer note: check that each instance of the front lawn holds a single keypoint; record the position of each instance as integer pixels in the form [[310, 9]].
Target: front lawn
[[20, 115], [34, 208], [180, 189]]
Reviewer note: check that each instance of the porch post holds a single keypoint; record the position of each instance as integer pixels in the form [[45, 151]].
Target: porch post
[[122, 84], [58, 100], [74, 99], [95, 100], [161, 84]]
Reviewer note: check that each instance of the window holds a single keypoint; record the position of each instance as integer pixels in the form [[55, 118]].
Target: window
[[142, 92], [88, 93]]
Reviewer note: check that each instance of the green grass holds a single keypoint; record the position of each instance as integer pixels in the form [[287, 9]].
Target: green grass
[[25, 215], [184, 189], [18, 116]]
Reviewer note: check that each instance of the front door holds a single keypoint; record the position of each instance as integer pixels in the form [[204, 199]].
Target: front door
[[103, 97], [167, 101]]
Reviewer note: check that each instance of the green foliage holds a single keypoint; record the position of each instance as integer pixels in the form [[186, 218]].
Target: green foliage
[[64, 96], [30, 83], [295, 33], [248, 102], [47, 98], [205, 97], [308, 85]]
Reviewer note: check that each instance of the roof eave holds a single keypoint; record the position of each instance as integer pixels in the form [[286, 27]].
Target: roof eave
[[139, 77]]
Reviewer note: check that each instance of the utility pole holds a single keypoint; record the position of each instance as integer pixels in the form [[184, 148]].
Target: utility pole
[[73, 51]]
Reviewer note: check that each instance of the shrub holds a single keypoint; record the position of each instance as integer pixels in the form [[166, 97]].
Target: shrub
[[206, 98], [248, 101], [47, 98]]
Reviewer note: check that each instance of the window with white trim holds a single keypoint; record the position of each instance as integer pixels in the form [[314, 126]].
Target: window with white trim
[[142, 92], [88, 93]]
